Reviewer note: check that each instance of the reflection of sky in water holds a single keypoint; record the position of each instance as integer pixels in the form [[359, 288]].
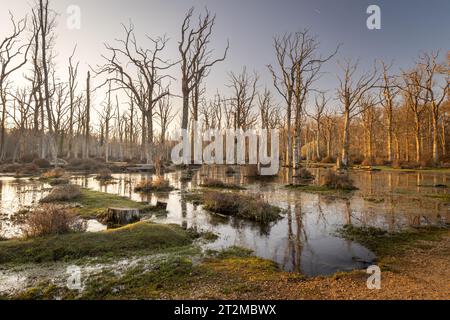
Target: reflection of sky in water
[[304, 239]]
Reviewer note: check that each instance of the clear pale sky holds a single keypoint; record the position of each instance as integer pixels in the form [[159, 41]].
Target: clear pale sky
[[408, 28]]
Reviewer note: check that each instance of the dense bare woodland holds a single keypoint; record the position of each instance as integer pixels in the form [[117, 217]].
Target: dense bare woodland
[[96, 202], [375, 116]]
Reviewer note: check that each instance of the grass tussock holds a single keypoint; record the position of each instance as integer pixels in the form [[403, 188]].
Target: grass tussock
[[53, 174], [384, 243], [104, 175], [305, 174], [187, 175], [156, 185], [337, 181], [85, 165], [27, 169], [42, 163], [242, 206], [95, 203], [219, 184], [51, 220], [62, 193]]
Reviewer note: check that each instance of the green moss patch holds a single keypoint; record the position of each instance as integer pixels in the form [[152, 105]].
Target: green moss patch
[[385, 243], [95, 203], [142, 237]]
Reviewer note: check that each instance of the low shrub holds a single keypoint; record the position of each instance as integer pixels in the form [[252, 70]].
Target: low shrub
[[315, 159], [28, 168], [243, 206], [305, 174], [104, 174], [155, 185], [357, 160], [28, 157], [230, 171], [42, 163], [334, 180], [381, 162], [251, 170], [398, 164], [62, 193], [427, 163], [59, 181], [85, 164], [367, 162], [328, 160], [216, 183], [8, 168], [52, 219], [187, 175]]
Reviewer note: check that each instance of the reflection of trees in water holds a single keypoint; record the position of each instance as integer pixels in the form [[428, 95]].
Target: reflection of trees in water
[[320, 213], [183, 212], [294, 240], [347, 213], [241, 224]]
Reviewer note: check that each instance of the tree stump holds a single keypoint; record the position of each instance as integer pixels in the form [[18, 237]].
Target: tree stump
[[121, 216]]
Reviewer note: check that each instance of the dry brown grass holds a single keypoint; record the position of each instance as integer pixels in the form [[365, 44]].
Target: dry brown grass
[[243, 206], [62, 193], [334, 180], [305, 174], [53, 174], [328, 160], [216, 183], [155, 185], [85, 164], [27, 169], [51, 219], [42, 163], [104, 174]]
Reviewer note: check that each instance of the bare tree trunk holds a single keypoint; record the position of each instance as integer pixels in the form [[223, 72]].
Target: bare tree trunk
[[389, 139], [346, 140], [289, 139], [143, 134], [435, 119], [88, 111], [443, 140], [149, 137], [418, 140]]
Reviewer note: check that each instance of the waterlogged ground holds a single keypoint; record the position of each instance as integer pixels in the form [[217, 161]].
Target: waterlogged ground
[[304, 240]]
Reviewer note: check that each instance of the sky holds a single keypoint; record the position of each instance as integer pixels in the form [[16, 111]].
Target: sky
[[408, 28]]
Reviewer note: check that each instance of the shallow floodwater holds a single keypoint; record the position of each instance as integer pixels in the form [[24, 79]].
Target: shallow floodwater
[[303, 240]]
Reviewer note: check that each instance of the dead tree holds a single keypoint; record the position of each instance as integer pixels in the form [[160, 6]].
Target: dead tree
[[300, 63], [350, 93], [13, 56], [165, 116], [73, 73], [196, 59], [388, 93], [431, 71], [414, 94], [269, 111], [139, 71], [106, 117], [320, 104], [243, 87], [284, 82], [88, 117], [368, 104]]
